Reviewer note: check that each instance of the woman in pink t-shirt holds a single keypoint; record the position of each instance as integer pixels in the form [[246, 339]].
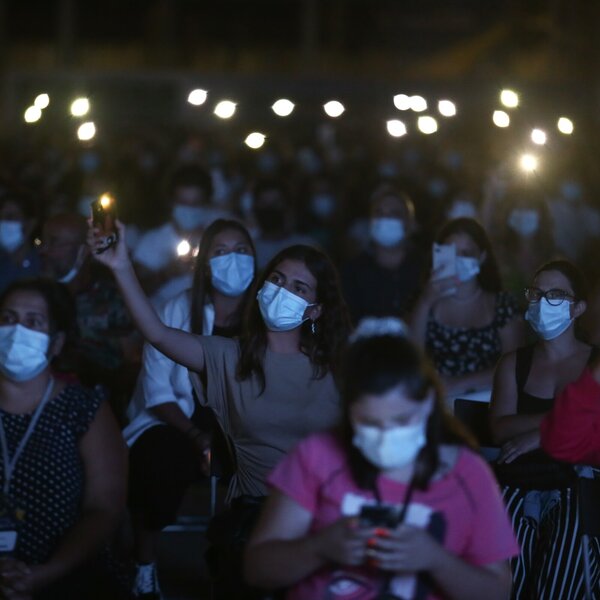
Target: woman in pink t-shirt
[[393, 505]]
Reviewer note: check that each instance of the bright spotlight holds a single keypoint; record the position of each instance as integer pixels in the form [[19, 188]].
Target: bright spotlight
[[402, 102], [197, 97], [565, 125], [32, 114], [509, 98], [183, 248], [529, 163], [86, 131], [42, 101], [501, 118], [538, 136], [418, 103], [427, 125], [333, 108], [447, 108], [396, 128], [225, 109], [283, 107], [80, 107], [255, 140]]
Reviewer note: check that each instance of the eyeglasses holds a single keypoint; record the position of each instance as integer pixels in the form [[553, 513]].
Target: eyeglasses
[[554, 297]]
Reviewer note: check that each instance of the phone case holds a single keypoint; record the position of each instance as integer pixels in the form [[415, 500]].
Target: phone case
[[444, 260]]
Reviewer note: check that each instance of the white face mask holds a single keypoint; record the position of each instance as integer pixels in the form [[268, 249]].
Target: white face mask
[[467, 268], [462, 208], [11, 235], [190, 217], [387, 232], [281, 310], [23, 352], [232, 273], [549, 321], [392, 448], [524, 221]]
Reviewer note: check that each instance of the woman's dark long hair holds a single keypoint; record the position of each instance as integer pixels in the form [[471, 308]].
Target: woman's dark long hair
[[331, 329], [489, 275], [374, 366], [202, 284]]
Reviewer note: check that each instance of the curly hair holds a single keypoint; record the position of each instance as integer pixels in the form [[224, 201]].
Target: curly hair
[[324, 347]]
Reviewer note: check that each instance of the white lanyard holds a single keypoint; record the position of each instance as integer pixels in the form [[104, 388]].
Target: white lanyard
[[10, 464]]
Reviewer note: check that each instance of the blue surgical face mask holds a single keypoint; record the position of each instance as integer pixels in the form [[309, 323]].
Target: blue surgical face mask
[[322, 205], [23, 352], [189, 217], [232, 273], [387, 232], [462, 208], [549, 321], [281, 310], [467, 268], [524, 221]]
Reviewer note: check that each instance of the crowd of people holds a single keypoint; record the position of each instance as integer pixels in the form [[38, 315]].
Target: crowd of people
[[307, 317]]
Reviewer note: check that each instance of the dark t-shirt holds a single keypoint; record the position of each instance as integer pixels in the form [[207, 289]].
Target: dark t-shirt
[[374, 291]]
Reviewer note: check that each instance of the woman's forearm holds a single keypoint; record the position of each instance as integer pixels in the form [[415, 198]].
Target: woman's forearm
[[506, 427], [86, 537], [281, 563]]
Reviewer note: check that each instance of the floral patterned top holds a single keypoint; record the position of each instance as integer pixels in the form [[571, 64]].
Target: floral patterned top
[[459, 351]]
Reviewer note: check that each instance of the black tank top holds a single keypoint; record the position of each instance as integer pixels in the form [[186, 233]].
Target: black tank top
[[526, 403]]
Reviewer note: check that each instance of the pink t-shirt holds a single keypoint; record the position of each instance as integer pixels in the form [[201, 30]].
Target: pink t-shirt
[[463, 510]]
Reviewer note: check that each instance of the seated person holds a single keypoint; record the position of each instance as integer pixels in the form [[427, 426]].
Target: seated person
[[63, 481], [106, 349], [384, 280], [544, 511], [445, 532], [19, 259]]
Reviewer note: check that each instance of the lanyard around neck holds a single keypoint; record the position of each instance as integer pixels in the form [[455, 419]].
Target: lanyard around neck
[[9, 464]]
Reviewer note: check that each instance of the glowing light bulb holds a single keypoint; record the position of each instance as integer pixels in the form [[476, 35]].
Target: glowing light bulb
[[80, 107], [106, 200], [565, 125], [396, 128], [509, 98], [42, 101], [283, 107], [427, 125], [255, 140], [197, 97], [86, 131], [447, 108], [225, 109], [528, 162], [418, 103], [183, 248], [333, 108], [501, 118], [402, 101], [538, 136], [32, 114]]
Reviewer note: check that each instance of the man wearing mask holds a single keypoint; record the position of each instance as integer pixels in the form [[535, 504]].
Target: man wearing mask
[[156, 256], [19, 259], [105, 349], [383, 280], [271, 210]]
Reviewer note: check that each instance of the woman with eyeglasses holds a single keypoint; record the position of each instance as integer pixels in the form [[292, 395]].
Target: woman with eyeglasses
[[537, 490]]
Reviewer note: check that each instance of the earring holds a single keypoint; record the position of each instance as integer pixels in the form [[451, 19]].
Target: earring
[[313, 327]]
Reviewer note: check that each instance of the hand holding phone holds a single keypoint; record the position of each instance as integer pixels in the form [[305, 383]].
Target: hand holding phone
[[378, 515], [104, 216], [444, 260]]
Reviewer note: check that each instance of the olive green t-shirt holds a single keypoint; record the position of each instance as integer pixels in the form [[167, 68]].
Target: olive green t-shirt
[[263, 427]]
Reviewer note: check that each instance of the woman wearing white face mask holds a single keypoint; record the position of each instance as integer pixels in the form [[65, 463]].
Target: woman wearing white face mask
[[391, 505], [464, 321], [273, 386], [62, 460], [168, 446], [525, 384]]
